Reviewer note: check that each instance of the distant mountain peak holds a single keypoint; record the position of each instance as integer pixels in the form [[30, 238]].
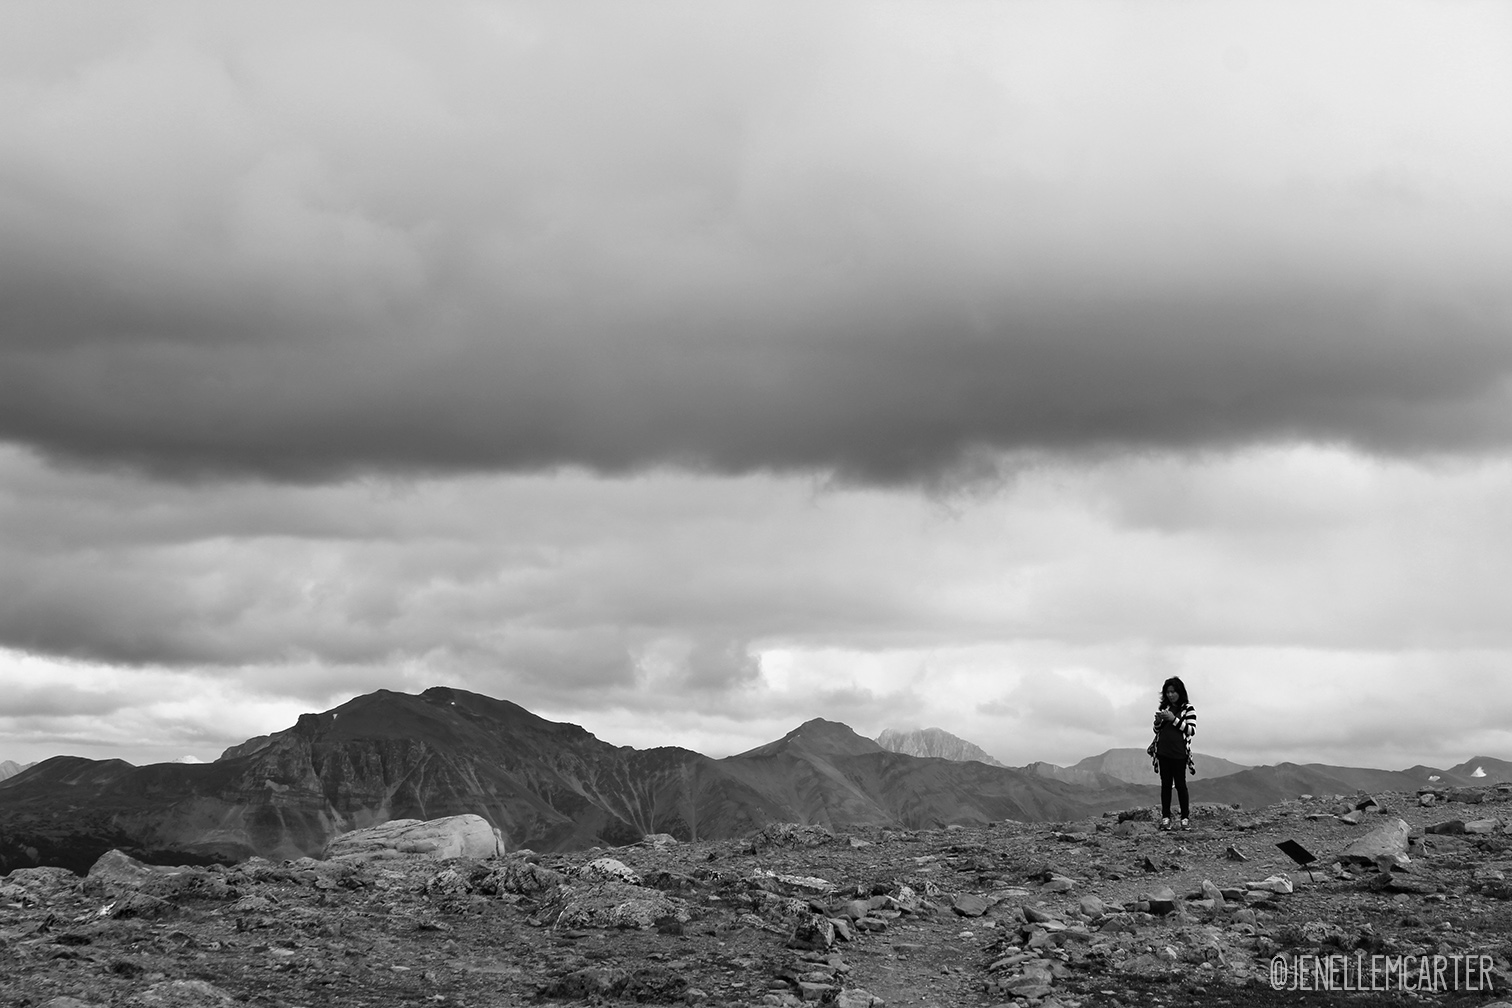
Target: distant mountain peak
[[819, 737], [935, 742], [9, 768]]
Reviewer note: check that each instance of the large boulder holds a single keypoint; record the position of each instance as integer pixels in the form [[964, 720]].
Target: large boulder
[[453, 836], [1389, 838]]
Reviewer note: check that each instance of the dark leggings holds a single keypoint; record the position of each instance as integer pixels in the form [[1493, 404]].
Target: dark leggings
[[1172, 771]]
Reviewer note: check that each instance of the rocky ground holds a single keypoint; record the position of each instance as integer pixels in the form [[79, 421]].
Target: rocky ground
[[1104, 912]]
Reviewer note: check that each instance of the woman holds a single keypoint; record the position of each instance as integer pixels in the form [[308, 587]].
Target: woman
[[1175, 724]]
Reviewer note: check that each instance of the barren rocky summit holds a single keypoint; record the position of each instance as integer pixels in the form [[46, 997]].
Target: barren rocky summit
[[1100, 912]]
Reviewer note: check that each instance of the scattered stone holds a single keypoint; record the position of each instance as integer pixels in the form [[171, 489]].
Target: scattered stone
[[1235, 854], [1451, 827], [1162, 900], [813, 932], [1350, 818], [971, 905], [1482, 826], [1427, 798]]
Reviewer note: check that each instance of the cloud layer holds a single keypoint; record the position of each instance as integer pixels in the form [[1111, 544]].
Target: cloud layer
[[866, 240], [1036, 619]]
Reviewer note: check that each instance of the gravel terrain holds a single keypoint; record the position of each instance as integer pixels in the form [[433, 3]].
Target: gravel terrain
[[1102, 912]]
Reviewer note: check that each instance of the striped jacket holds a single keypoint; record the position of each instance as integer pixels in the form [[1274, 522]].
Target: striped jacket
[[1186, 720]]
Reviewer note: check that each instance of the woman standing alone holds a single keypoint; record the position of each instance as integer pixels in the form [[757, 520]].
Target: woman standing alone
[[1175, 724]]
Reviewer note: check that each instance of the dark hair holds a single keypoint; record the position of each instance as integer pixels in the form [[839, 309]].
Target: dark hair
[[1181, 693]]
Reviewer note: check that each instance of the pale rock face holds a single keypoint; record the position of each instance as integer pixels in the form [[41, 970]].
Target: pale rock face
[[452, 836], [1389, 838]]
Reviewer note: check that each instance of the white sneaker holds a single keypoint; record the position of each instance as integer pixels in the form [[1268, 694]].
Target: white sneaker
[[1185, 825], [1165, 824]]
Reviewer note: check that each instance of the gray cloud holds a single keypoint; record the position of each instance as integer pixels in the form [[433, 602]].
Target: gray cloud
[[309, 251], [58, 701]]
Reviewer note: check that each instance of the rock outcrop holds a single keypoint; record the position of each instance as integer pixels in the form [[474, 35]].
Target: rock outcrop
[[451, 837]]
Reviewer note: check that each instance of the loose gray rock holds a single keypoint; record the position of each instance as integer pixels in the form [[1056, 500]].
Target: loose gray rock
[[813, 932], [1162, 900], [608, 870], [971, 905], [1389, 838]]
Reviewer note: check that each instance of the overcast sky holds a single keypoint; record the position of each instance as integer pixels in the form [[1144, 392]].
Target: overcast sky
[[688, 370]]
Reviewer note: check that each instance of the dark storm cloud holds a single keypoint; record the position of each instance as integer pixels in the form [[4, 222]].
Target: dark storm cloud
[[313, 246]]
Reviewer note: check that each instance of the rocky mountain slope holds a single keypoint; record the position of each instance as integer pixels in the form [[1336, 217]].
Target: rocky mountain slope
[[1103, 912], [933, 742], [544, 785]]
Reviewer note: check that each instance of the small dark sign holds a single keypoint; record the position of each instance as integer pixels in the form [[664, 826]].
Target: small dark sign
[[1298, 853]]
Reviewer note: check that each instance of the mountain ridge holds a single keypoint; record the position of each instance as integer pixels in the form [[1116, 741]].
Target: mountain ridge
[[556, 786], [543, 784]]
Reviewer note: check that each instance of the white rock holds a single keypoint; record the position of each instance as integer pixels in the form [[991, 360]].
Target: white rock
[[449, 837], [1274, 883], [609, 870]]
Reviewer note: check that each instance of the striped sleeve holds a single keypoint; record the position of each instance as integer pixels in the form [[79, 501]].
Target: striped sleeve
[[1188, 725]]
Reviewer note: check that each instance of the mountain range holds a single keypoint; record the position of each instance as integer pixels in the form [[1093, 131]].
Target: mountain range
[[553, 786], [544, 785]]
